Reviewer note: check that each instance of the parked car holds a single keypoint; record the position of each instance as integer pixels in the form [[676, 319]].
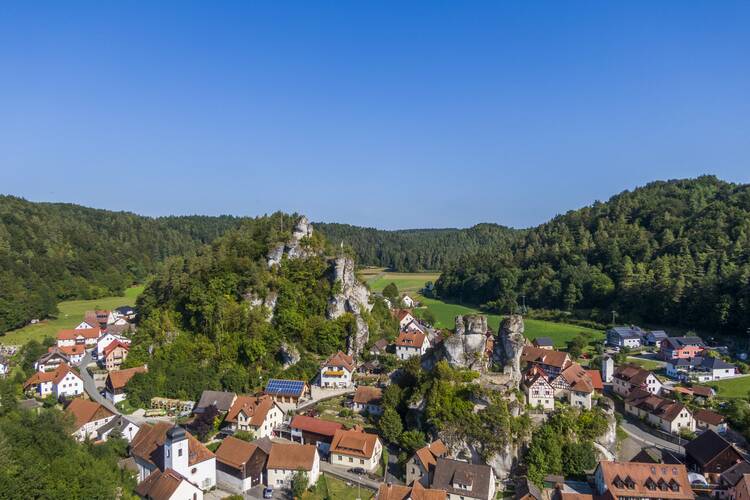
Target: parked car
[[267, 492], [358, 471]]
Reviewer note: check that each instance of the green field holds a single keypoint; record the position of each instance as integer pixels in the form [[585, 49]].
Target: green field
[[71, 313], [378, 279], [732, 388], [330, 487]]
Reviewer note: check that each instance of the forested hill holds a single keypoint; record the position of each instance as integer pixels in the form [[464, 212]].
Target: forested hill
[[675, 252], [55, 251], [412, 250]]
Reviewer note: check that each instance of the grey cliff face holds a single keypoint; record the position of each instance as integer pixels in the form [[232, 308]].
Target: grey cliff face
[[508, 346], [292, 248], [466, 348], [352, 297]]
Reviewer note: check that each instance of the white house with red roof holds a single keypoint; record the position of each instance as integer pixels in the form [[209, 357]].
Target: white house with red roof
[[106, 339], [356, 448], [168, 485], [62, 381], [337, 371], [410, 344], [84, 336], [114, 354], [259, 414], [539, 392], [404, 317], [89, 417]]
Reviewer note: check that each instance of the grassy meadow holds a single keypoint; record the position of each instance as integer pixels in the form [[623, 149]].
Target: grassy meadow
[[732, 388], [445, 313], [71, 313]]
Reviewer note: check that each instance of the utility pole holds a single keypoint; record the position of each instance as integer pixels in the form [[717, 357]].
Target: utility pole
[[614, 316], [523, 298]]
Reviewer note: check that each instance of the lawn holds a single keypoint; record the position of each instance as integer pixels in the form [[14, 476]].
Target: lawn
[[560, 333], [648, 364], [406, 282], [71, 313], [732, 388], [330, 487]]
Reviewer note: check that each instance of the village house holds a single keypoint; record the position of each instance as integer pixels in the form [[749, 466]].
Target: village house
[[681, 348], [729, 479], [527, 490], [596, 380], [356, 448], [368, 399], [223, 401], [544, 343], [625, 336], [379, 348], [311, 430], [538, 390], [655, 337], [51, 360], [628, 377], [239, 465], [113, 355], [117, 381], [421, 466], [404, 317], [105, 340], [75, 353], [628, 480], [126, 427], [87, 325], [89, 417], [286, 459], [411, 344], [655, 455], [337, 371], [168, 485], [414, 326], [461, 480], [669, 416], [390, 491], [608, 369], [407, 302], [574, 384], [707, 419], [259, 414], [63, 381], [700, 369], [287, 391], [710, 454], [85, 336], [162, 446], [550, 361]]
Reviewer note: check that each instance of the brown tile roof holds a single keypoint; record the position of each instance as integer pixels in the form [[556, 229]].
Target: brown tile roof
[[341, 360], [292, 456], [315, 425], [88, 333], [119, 379], [160, 485], [742, 487], [702, 391], [54, 376], [255, 407], [577, 378], [666, 409], [365, 395], [148, 445], [354, 442], [449, 472], [85, 411], [558, 359], [708, 416], [401, 313], [389, 491], [114, 345], [633, 374], [69, 350], [596, 379], [235, 452], [410, 339], [616, 475], [429, 454]]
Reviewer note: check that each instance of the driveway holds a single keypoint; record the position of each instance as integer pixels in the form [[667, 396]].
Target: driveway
[[90, 387], [343, 474]]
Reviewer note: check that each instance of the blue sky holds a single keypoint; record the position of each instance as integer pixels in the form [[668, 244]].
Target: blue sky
[[386, 114]]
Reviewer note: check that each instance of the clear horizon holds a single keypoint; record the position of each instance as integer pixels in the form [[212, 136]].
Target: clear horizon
[[385, 115]]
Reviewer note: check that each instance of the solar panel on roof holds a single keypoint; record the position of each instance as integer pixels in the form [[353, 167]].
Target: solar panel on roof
[[277, 386]]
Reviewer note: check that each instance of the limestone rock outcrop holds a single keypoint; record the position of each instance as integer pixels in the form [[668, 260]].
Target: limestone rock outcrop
[[508, 346], [289, 355], [269, 302], [467, 347], [294, 249], [351, 297]]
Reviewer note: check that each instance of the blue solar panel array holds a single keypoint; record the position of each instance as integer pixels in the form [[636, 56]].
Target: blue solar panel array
[[286, 387]]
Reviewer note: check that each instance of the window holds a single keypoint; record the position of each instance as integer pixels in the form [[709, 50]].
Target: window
[[179, 452], [194, 470], [361, 461], [351, 459]]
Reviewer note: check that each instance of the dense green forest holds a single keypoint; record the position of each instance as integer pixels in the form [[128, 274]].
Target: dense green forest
[[675, 253], [413, 250], [195, 314], [55, 251]]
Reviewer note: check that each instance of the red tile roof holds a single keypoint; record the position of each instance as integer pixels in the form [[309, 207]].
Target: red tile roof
[[235, 452], [596, 379], [54, 376], [85, 411], [411, 339], [88, 333], [341, 360], [315, 425], [69, 350], [368, 395], [354, 442], [429, 454], [642, 476], [558, 359], [292, 456], [114, 345], [254, 407], [149, 441], [118, 379]]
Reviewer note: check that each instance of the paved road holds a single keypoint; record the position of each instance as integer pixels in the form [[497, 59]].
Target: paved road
[[90, 387], [649, 439]]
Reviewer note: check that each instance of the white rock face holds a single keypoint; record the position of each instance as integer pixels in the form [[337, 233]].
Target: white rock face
[[352, 298], [508, 346], [466, 347], [292, 248], [289, 354], [269, 302]]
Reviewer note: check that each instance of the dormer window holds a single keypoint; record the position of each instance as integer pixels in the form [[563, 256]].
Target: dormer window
[[674, 485]]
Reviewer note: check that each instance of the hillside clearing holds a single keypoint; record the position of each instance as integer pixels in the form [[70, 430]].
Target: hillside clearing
[[732, 388], [378, 278], [71, 313]]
